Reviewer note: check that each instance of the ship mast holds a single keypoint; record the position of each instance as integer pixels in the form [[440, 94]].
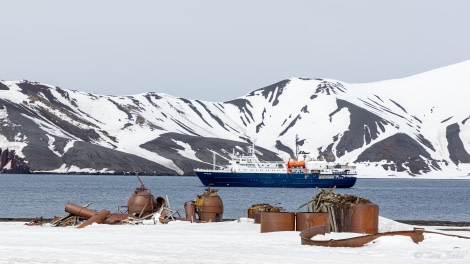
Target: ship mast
[[296, 146], [213, 160]]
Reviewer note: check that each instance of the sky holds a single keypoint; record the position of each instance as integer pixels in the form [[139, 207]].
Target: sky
[[222, 50]]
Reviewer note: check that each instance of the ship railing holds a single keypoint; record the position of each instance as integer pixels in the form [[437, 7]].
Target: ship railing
[[272, 162], [345, 172], [342, 167], [218, 169]]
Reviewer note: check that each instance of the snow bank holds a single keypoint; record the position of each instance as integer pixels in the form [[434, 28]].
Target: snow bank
[[224, 242]]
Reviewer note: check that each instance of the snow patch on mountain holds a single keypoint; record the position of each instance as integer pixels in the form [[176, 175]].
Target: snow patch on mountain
[[74, 169], [17, 145], [416, 126], [187, 151]]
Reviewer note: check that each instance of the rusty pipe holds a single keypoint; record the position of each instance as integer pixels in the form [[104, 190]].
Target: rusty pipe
[[80, 211], [96, 218]]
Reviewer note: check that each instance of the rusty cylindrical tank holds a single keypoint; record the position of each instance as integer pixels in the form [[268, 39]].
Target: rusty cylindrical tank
[[306, 220], [255, 210], [209, 206], [190, 209], [256, 216], [282, 221], [141, 203], [364, 218]]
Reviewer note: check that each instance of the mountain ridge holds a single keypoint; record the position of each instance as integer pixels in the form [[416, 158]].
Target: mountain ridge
[[415, 126]]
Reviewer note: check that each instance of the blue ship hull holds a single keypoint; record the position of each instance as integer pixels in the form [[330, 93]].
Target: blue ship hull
[[286, 180]]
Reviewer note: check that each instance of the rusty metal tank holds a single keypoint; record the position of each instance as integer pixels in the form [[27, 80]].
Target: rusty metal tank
[[277, 221], [141, 203], [305, 220], [364, 218], [209, 206], [256, 216], [190, 210]]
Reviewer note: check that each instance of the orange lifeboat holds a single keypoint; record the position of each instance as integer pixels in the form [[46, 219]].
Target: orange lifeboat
[[295, 163]]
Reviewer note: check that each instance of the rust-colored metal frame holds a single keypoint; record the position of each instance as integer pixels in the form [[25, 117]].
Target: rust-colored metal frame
[[306, 237]]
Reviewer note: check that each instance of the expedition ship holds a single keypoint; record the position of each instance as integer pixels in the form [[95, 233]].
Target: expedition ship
[[249, 171]]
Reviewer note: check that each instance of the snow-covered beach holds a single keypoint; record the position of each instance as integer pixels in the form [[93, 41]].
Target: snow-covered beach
[[238, 241]]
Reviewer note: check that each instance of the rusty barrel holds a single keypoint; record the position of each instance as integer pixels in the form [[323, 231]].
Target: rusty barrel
[[364, 218], [279, 221], [256, 215], [250, 212], [190, 209], [305, 220]]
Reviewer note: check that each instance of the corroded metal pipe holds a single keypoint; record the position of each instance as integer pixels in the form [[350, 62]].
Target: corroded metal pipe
[[80, 211], [87, 214], [97, 218], [115, 219]]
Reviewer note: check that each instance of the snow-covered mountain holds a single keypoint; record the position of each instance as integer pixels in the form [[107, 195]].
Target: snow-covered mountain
[[416, 126]]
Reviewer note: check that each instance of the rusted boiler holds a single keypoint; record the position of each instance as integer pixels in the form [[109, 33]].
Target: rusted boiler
[[209, 206], [142, 203]]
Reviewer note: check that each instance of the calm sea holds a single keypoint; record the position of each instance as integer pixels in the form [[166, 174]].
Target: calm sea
[[31, 196]]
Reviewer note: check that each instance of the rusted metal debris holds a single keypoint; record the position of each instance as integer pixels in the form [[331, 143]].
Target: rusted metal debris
[[416, 235], [142, 205], [348, 213], [68, 220], [323, 199], [92, 216], [254, 212], [34, 222], [264, 207]]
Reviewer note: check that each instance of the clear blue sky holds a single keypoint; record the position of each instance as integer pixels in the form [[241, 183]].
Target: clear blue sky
[[220, 50]]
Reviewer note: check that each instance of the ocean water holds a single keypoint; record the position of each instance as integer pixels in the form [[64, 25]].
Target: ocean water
[[46, 195]]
